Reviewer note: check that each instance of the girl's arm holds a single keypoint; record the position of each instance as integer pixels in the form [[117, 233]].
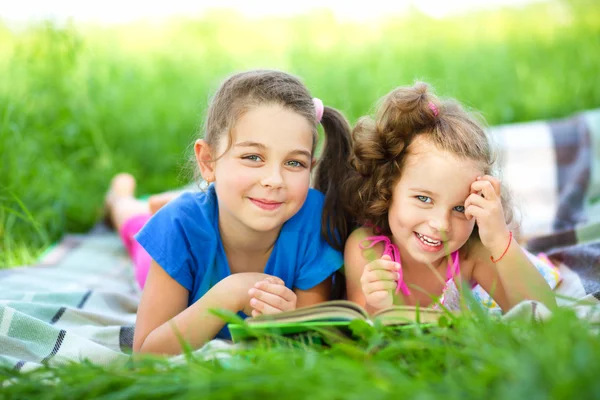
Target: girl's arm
[[354, 265], [512, 279], [370, 281], [314, 295], [163, 311]]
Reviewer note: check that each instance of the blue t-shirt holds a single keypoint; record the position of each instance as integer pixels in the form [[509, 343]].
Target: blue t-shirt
[[183, 238]]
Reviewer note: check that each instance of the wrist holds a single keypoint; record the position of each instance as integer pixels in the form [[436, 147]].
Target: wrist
[[235, 288], [498, 250]]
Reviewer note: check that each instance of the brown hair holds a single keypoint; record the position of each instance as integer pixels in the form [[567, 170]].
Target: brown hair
[[381, 145], [244, 91]]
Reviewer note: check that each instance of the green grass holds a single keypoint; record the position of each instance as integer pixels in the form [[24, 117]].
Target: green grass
[[485, 359], [80, 103]]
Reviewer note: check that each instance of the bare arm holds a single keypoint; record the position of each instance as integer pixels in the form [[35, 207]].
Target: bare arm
[[370, 278], [354, 265], [512, 279], [314, 295], [163, 309]]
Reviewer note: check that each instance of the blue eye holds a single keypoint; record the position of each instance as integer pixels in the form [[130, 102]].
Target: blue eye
[[460, 209], [251, 157], [296, 164], [424, 199]]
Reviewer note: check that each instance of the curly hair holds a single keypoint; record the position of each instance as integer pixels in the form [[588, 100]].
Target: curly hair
[[380, 146]]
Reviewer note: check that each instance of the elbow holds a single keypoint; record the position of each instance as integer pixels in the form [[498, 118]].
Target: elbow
[[143, 344], [138, 344], [544, 296]]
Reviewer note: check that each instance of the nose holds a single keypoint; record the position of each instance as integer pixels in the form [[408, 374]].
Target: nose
[[441, 222], [272, 177]]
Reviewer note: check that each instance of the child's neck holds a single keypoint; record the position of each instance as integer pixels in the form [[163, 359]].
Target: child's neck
[[247, 251]]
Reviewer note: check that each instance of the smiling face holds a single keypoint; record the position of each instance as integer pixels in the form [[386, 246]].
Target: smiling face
[[426, 215], [262, 180]]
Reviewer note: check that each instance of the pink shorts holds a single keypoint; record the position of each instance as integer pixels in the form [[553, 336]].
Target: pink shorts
[[141, 259]]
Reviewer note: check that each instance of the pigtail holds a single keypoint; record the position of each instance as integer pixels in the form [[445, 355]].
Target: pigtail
[[405, 112], [331, 173]]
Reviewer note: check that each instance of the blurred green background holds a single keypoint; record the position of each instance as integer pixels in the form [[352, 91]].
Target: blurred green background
[[80, 102]]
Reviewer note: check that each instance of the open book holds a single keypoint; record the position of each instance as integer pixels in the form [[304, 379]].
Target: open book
[[334, 314]]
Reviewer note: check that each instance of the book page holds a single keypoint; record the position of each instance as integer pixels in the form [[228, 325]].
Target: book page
[[329, 310]]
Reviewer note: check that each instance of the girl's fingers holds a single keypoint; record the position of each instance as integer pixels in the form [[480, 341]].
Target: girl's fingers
[[270, 299], [380, 296], [379, 286], [474, 211], [382, 264], [485, 187], [496, 184], [476, 200], [379, 275], [263, 307], [276, 289], [274, 279], [256, 313]]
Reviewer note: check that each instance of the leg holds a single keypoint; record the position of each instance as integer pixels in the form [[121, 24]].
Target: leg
[[128, 215], [157, 201], [121, 203]]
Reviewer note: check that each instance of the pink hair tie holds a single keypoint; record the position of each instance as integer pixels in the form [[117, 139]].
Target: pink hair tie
[[318, 108], [433, 108]]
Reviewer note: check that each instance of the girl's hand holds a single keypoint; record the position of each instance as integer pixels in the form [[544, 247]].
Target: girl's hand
[[271, 296], [485, 206], [379, 281]]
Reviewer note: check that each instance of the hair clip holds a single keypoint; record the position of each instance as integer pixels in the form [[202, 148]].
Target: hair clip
[[318, 108], [433, 108]]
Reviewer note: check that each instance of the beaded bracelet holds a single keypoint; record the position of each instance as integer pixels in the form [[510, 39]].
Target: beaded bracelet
[[507, 246]]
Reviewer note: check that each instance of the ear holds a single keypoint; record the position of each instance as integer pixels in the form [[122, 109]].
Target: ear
[[313, 163], [204, 158]]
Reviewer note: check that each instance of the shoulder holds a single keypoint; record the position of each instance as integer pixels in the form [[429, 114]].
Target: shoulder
[[314, 201], [193, 202], [363, 235], [353, 250], [191, 214], [359, 235]]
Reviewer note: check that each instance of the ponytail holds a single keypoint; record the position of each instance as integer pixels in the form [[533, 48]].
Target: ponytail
[[331, 173]]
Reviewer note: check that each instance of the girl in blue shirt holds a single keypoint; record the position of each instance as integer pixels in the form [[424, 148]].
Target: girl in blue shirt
[[255, 241]]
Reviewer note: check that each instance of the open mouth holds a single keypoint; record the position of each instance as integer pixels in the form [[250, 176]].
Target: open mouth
[[428, 241], [429, 244]]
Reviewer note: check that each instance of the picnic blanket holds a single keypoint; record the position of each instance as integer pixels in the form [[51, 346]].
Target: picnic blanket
[[553, 171], [80, 301]]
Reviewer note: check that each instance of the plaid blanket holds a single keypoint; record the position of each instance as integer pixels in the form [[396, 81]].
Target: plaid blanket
[[553, 172], [80, 301]]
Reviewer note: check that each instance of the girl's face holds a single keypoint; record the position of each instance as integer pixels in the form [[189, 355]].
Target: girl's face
[[263, 179], [426, 215]]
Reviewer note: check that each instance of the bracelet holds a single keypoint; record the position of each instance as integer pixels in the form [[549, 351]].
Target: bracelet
[[507, 246]]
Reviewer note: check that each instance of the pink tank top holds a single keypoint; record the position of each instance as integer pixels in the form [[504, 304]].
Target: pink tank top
[[394, 253]]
